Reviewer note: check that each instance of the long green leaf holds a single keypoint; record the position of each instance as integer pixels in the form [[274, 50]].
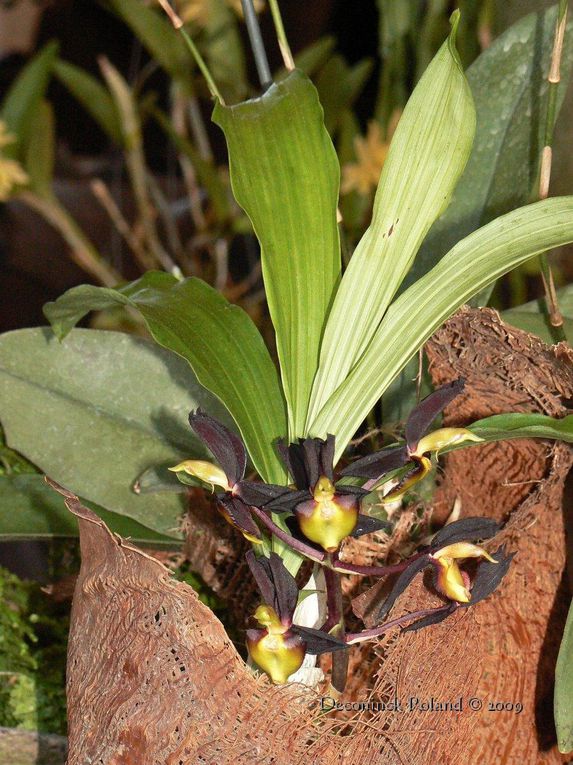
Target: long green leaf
[[30, 509], [96, 411], [563, 700], [473, 263], [40, 152], [501, 427], [509, 86], [93, 96], [219, 341], [23, 99], [285, 175], [427, 156]]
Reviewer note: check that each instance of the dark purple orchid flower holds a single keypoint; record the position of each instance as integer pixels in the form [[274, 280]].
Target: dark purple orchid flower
[[452, 543], [418, 445], [278, 646]]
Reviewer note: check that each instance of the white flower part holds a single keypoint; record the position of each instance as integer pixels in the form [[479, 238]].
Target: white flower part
[[311, 612]]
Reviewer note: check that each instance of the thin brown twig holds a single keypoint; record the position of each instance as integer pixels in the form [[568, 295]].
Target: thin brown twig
[[106, 200]]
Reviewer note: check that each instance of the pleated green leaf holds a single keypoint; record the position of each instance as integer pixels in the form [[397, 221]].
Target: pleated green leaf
[[509, 85], [96, 411], [481, 257], [285, 175], [563, 699], [219, 340], [427, 156]]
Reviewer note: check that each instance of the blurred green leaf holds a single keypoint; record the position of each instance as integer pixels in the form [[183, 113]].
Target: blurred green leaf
[[314, 56], [97, 410], [411, 319], [207, 173], [30, 509], [397, 19], [563, 699], [427, 155], [93, 96], [223, 49], [40, 151], [564, 298], [22, 100], [510, 92], [161, 40], [537, 323], [285, 175], [219, 340], [339, 86]]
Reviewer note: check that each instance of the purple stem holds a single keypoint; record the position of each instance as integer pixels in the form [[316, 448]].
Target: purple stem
[[352, 568], [360, 637], [296, 544], [336, 620], [332, 599]]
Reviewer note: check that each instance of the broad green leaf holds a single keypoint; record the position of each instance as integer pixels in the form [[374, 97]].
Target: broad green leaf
[[219, 340], [285, 175], [563, 698], [30, 509], [92, 95], [427, 156], [509, 86], [23, 99], [40, 151], [473, 263], [161, 40], [501, 427], [538, 324], [97, 410]]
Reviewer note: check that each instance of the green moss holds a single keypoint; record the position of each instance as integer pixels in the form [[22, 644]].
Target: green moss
[[33, 634]]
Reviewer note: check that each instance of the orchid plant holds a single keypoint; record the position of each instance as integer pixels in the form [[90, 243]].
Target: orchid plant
[[322, 514], [342, 338]]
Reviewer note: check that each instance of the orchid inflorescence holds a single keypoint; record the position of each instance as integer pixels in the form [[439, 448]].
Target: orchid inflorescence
[[320, 511]]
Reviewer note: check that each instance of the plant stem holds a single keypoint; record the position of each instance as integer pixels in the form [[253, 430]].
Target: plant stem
[[351, 568], [336, 627], [82, 250], [296, 544], [200, 61], [554, 78], [257, 45], [359, 637], [281, 36]]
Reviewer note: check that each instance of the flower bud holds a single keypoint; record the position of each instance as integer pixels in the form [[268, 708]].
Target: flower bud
[[442, 438], [204, 471]]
